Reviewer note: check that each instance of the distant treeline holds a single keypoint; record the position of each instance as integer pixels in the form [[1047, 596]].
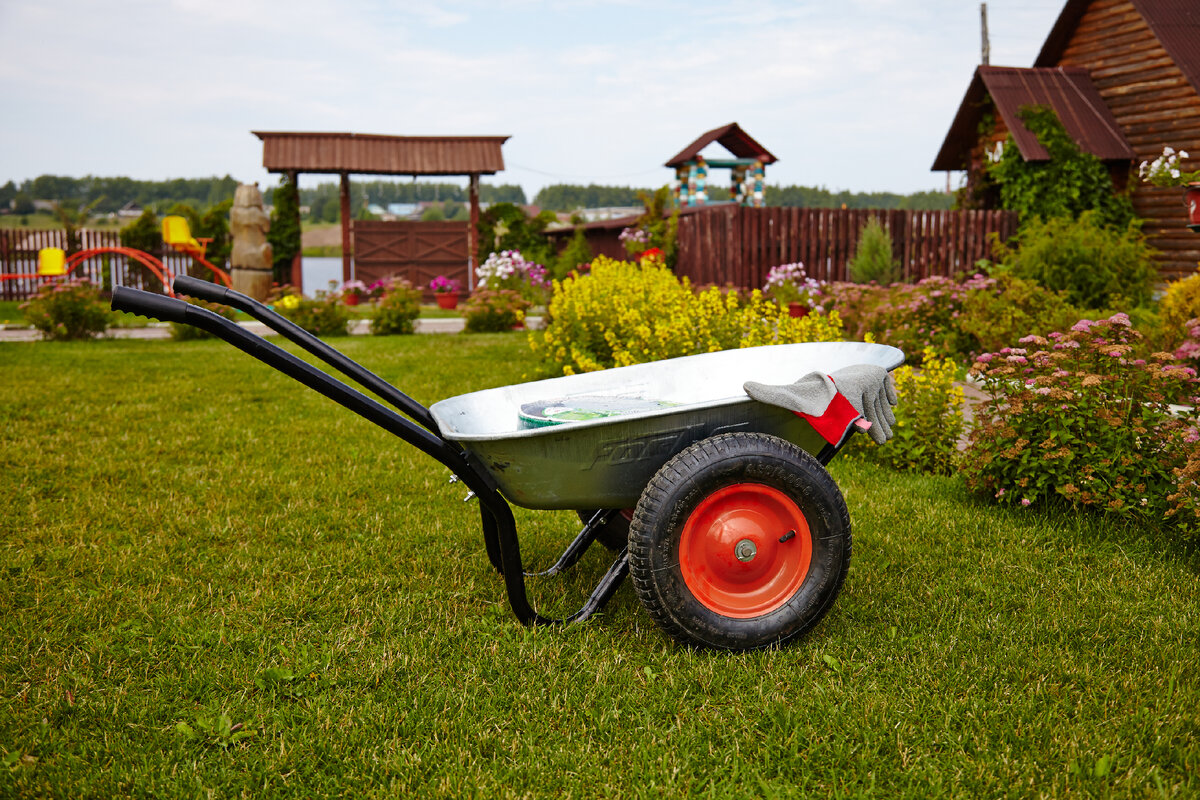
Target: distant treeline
[[111, 194], [566, 197], [324, 201], [114, 193]]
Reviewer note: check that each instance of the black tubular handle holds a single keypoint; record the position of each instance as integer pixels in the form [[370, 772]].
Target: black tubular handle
[[145, 304], [205, 290], [156, 306]]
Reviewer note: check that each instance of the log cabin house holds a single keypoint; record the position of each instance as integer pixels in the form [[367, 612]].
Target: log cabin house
[[1124, 78]]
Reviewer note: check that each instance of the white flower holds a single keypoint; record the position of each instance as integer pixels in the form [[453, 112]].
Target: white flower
[[1183, 154]]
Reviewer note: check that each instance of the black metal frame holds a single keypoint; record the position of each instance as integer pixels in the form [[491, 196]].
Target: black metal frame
[[499, 526]]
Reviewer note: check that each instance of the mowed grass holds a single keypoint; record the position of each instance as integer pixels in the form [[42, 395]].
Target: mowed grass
[[214, 582]]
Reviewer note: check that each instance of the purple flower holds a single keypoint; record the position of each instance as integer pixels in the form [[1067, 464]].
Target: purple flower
[[1025, 501], [1120, 318], [1083, 326]]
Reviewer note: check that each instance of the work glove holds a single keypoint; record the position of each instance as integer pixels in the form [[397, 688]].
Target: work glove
[[871, 391], [867, 387]]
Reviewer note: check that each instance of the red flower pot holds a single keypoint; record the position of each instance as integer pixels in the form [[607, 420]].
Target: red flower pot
[[351, 299], [797, 310], [446, 300], [1191, 199]]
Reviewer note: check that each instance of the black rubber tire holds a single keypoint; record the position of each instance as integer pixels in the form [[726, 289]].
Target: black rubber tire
[[676, 491], [615, 533]]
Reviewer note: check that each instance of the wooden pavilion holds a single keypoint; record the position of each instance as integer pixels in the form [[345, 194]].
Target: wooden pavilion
[[344, 154]]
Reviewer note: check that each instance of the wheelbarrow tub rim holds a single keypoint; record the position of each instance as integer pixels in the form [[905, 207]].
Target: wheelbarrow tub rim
[[707, 380]]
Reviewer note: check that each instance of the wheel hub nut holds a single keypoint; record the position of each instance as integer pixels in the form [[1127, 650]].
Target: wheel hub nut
[[745, 550]]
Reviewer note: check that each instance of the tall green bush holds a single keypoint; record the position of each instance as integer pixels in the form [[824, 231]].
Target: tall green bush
[[1095, 266], [284, 234], [873, 260], [145, 234]]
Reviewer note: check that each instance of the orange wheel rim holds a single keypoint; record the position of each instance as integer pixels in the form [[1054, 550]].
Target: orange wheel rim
[[745, 550]]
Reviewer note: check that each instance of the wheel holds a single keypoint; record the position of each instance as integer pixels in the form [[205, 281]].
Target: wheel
[[741, 541], [614, 534]]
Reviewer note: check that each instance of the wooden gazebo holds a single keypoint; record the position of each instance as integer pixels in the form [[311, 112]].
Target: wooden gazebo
[[345, 154]]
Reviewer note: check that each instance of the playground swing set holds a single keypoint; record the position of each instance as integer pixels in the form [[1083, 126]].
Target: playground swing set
[[53, 262]]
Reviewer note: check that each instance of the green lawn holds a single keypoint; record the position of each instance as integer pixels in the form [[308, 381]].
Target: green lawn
[[214, 582]]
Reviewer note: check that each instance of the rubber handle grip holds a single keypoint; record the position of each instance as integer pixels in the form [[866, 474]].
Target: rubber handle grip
[[146, 304], [202, 289]]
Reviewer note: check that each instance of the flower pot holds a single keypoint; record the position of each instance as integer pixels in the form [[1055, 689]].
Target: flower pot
[[1191, 199], [351, 299], [797, 310], [446, 300]]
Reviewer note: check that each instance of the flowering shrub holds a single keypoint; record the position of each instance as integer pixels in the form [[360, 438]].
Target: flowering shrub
[[323, 315], [495, 310], [1166, 170], [397, 308], [1179, 304], [634, 239], [622, 313], [356, 289], [997, 312], [929, 419], [655, 228], [789, 283], [69, 309], [958, 319], [443, 285], [508, 269], [1076, 417]]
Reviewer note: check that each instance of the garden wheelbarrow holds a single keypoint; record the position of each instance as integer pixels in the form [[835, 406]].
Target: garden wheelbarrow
[[717, 505]]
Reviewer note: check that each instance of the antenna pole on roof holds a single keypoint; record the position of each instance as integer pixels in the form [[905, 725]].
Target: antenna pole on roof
[[985, 57]]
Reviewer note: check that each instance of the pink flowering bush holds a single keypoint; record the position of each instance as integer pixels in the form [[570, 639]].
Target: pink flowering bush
[[1078, 417], [789, 283], [68, 309], [954, 318], [508, 269]]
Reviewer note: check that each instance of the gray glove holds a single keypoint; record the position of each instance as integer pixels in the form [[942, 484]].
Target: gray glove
[[869, 389]]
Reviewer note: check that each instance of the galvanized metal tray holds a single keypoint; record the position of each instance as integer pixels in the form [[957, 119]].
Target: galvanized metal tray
[[606, 463]]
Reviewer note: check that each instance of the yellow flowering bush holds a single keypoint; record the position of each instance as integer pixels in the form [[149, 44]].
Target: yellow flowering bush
[[1179, 305], [622, 313], [929, 419]]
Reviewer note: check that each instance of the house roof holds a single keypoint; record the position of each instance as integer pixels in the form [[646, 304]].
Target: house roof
[[732, 138], [1068, 90], [1176, 24], [371, 154]]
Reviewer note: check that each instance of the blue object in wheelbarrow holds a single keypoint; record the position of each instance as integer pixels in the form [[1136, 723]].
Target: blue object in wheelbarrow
[[736, 537]]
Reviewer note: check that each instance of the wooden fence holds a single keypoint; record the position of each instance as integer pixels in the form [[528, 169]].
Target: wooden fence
[[19, 255], [731, 245]]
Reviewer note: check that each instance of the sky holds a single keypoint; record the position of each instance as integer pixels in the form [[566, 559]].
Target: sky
[[847, 94]]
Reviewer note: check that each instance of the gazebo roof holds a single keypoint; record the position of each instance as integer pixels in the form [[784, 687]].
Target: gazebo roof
[[732, 138], [373, 154]]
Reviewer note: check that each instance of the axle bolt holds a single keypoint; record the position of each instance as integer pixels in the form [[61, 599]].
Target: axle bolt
[[745, 550]]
